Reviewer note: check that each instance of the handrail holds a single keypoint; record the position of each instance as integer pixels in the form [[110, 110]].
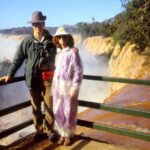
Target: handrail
[[140, 113], [117, 79], [16, 79], [83, 103], [14, 108], [123, 110], [15, 128], [98, 78], [116, 130]]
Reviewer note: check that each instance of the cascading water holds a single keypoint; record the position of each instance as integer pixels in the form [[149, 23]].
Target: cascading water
[[94, 91]]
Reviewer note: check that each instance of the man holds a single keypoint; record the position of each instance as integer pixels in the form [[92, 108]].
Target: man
[[34, 50]]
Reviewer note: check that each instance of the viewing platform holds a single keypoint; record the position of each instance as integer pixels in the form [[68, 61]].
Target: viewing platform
[[103, 126], [80, 142]]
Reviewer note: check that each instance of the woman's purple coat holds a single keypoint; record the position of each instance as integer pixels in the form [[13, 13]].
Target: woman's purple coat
[[68, 75]]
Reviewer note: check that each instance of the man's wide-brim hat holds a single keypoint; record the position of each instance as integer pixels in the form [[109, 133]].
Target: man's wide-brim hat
[[61, 31], [37, 17]]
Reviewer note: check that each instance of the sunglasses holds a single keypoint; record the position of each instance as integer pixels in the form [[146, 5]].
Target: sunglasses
[[61, 36], [37, 24]]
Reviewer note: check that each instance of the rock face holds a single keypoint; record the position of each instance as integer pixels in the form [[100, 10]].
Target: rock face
[[77, 39], [128, 63], [124, 62], [98, 45]]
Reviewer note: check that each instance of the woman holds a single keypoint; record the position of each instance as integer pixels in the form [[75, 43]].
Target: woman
[[66, 84]]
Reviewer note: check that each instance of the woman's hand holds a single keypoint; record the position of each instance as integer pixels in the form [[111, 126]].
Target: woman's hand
[[73, 92]]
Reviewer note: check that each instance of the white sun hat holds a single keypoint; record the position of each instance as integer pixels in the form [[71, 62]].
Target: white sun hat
[[61, 31]]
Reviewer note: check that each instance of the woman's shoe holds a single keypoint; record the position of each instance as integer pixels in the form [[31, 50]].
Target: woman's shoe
[[61, 140], [67, 141]]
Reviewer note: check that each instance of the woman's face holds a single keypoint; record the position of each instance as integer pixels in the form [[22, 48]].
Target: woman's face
[[62, 41]]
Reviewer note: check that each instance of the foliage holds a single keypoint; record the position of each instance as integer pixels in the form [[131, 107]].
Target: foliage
[[135, 24], [95, 29]]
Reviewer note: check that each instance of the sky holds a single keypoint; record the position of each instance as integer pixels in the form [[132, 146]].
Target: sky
[[16, 13]]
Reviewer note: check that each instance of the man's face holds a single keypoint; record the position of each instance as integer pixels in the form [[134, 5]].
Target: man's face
[[38, 28]]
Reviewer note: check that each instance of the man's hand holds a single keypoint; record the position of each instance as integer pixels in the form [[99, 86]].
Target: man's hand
[[6, 79]]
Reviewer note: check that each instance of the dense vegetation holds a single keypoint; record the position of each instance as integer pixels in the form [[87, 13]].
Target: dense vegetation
[[134, 26]]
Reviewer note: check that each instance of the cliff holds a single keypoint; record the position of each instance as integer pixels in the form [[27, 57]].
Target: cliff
[[98, 45], [129, 64], [124, 62]]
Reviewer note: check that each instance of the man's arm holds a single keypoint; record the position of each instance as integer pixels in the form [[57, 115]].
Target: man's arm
[[18, 60]]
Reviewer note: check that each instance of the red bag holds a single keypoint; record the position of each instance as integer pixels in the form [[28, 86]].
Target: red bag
[[47, 75]]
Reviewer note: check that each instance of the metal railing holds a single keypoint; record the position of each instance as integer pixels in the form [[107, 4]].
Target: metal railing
[[97, 78], [103, 127]]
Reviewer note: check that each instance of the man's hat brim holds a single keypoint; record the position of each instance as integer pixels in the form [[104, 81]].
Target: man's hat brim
[[38, 21]]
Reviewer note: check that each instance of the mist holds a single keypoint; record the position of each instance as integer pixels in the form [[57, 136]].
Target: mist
[[14, 93], [95, 91], [7, 48]]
